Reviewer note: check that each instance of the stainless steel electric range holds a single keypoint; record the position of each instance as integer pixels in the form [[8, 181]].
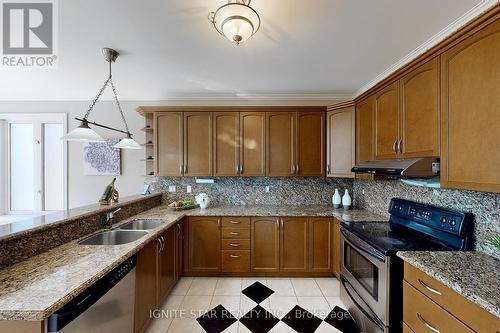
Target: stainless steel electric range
[[372, 275]]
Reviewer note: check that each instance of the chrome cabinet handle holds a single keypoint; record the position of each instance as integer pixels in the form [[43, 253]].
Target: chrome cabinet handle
[[159, 244], [281, 224], [328, 169], [278, 222], [184, 168], [163, 241], [234, 245], [234, 233], [180, 169], [234, 222], [297, 169], [293, 169], [429, 326], [400, 146], [432, 290], [234, 256], [218, 222], [394, 146], [237, 168]]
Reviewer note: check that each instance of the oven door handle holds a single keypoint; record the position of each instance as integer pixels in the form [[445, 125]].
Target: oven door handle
[[350, 238], [371, 316]]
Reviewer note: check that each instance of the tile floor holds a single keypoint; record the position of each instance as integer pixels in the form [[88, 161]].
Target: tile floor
[[193, 297]]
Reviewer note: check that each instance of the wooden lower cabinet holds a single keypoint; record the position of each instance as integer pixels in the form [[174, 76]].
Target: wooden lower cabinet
[[293, 244], [166, 263], [265, 244], [203, 245], [145, 285], [427, 302], [320, 244], [336, 248]]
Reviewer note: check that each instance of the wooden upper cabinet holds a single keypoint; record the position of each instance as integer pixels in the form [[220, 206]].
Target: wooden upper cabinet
[[169, 143], [197, 144], [386, 121], [310, 160], [365, 133], [204, 244], [280, 152], [252, 143], [320, 244], [419, 119], [294, 244], [470, 112], [226, 140], [341, 142], [265, 248]]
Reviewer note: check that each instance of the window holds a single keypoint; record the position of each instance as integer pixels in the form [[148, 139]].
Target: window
[[34, 173]]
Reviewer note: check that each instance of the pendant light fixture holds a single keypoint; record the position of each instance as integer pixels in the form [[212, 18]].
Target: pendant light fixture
[[84, 133], [236, 20]]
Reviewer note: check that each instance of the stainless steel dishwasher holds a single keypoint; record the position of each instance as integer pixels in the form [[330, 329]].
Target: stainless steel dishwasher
[[106, 306]]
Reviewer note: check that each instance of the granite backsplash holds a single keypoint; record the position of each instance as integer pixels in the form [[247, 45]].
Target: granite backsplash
[[484, 206], [251, 191]]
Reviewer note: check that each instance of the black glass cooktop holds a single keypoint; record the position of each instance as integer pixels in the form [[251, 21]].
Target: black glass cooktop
[[389, 240]]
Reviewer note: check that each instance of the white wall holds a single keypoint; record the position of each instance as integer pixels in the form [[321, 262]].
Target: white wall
[[85, 190]]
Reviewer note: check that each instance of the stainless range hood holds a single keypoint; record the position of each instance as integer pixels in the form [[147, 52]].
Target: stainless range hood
[[404, 168]]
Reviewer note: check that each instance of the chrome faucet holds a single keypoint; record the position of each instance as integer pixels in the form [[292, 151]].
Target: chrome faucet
[[108, 223]]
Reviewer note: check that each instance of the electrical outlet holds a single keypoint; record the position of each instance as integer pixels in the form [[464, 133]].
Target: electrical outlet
[[172, 188], [267, 188], [188, 189], [363, 191]]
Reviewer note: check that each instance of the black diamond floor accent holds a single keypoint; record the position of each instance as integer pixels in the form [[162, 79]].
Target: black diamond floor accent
[[258, 320], [257, 292], [216, 320], [342, 320], [301, 320]]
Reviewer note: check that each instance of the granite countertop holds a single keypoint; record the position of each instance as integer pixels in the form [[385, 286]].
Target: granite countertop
[[35, 224], [474, 275], [352, 215], [35, 288]]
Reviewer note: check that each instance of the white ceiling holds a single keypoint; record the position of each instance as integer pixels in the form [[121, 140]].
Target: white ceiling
[[169, 49]]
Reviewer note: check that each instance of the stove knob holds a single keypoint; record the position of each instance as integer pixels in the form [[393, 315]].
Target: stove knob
[[453, 222], [442, 219]]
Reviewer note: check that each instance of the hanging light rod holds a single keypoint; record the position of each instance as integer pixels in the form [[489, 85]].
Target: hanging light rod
[[84, 133]]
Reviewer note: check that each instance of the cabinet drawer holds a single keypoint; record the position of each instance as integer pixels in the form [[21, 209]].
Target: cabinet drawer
[[236, 222], [236, 233], [236, 244], [469, 313], [236, 261], [422, 315]]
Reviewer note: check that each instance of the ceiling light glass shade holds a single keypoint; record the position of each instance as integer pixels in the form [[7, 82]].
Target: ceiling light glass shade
[[236, 21], [83, 133], [128, 143]]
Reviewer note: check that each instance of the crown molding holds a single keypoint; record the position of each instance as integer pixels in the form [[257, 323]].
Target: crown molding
[[453, 27]]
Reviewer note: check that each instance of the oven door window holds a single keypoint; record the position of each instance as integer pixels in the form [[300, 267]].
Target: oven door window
[[363, 270]]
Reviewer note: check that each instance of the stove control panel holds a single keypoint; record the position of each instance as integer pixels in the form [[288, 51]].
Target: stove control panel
[[443, 219]]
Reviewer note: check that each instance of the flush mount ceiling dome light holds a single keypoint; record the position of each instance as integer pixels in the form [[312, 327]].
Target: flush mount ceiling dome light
[[236, 20], [84, 133]]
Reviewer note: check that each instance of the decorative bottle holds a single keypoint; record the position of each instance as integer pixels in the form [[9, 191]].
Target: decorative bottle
[[346, 200], [107, 196], [336, 199]]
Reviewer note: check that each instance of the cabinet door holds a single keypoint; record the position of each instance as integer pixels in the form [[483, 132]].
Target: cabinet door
[[386, 122], [320, 244], [336, 247], [253, 143], [310, 160], [470, 112], [179, 250], [226, 143], [365, 120], [168, 143], [166, 263], [293, 244], [197, 144], [145, 285], [280, 135], [420, 111], [341, 148], [204, 244], [264, 240]]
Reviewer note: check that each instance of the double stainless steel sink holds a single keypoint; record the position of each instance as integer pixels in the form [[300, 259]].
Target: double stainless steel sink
[[127, 233]]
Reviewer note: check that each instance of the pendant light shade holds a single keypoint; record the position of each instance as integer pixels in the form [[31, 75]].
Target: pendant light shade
[[236, 20], [128, 143], [83, 133]]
